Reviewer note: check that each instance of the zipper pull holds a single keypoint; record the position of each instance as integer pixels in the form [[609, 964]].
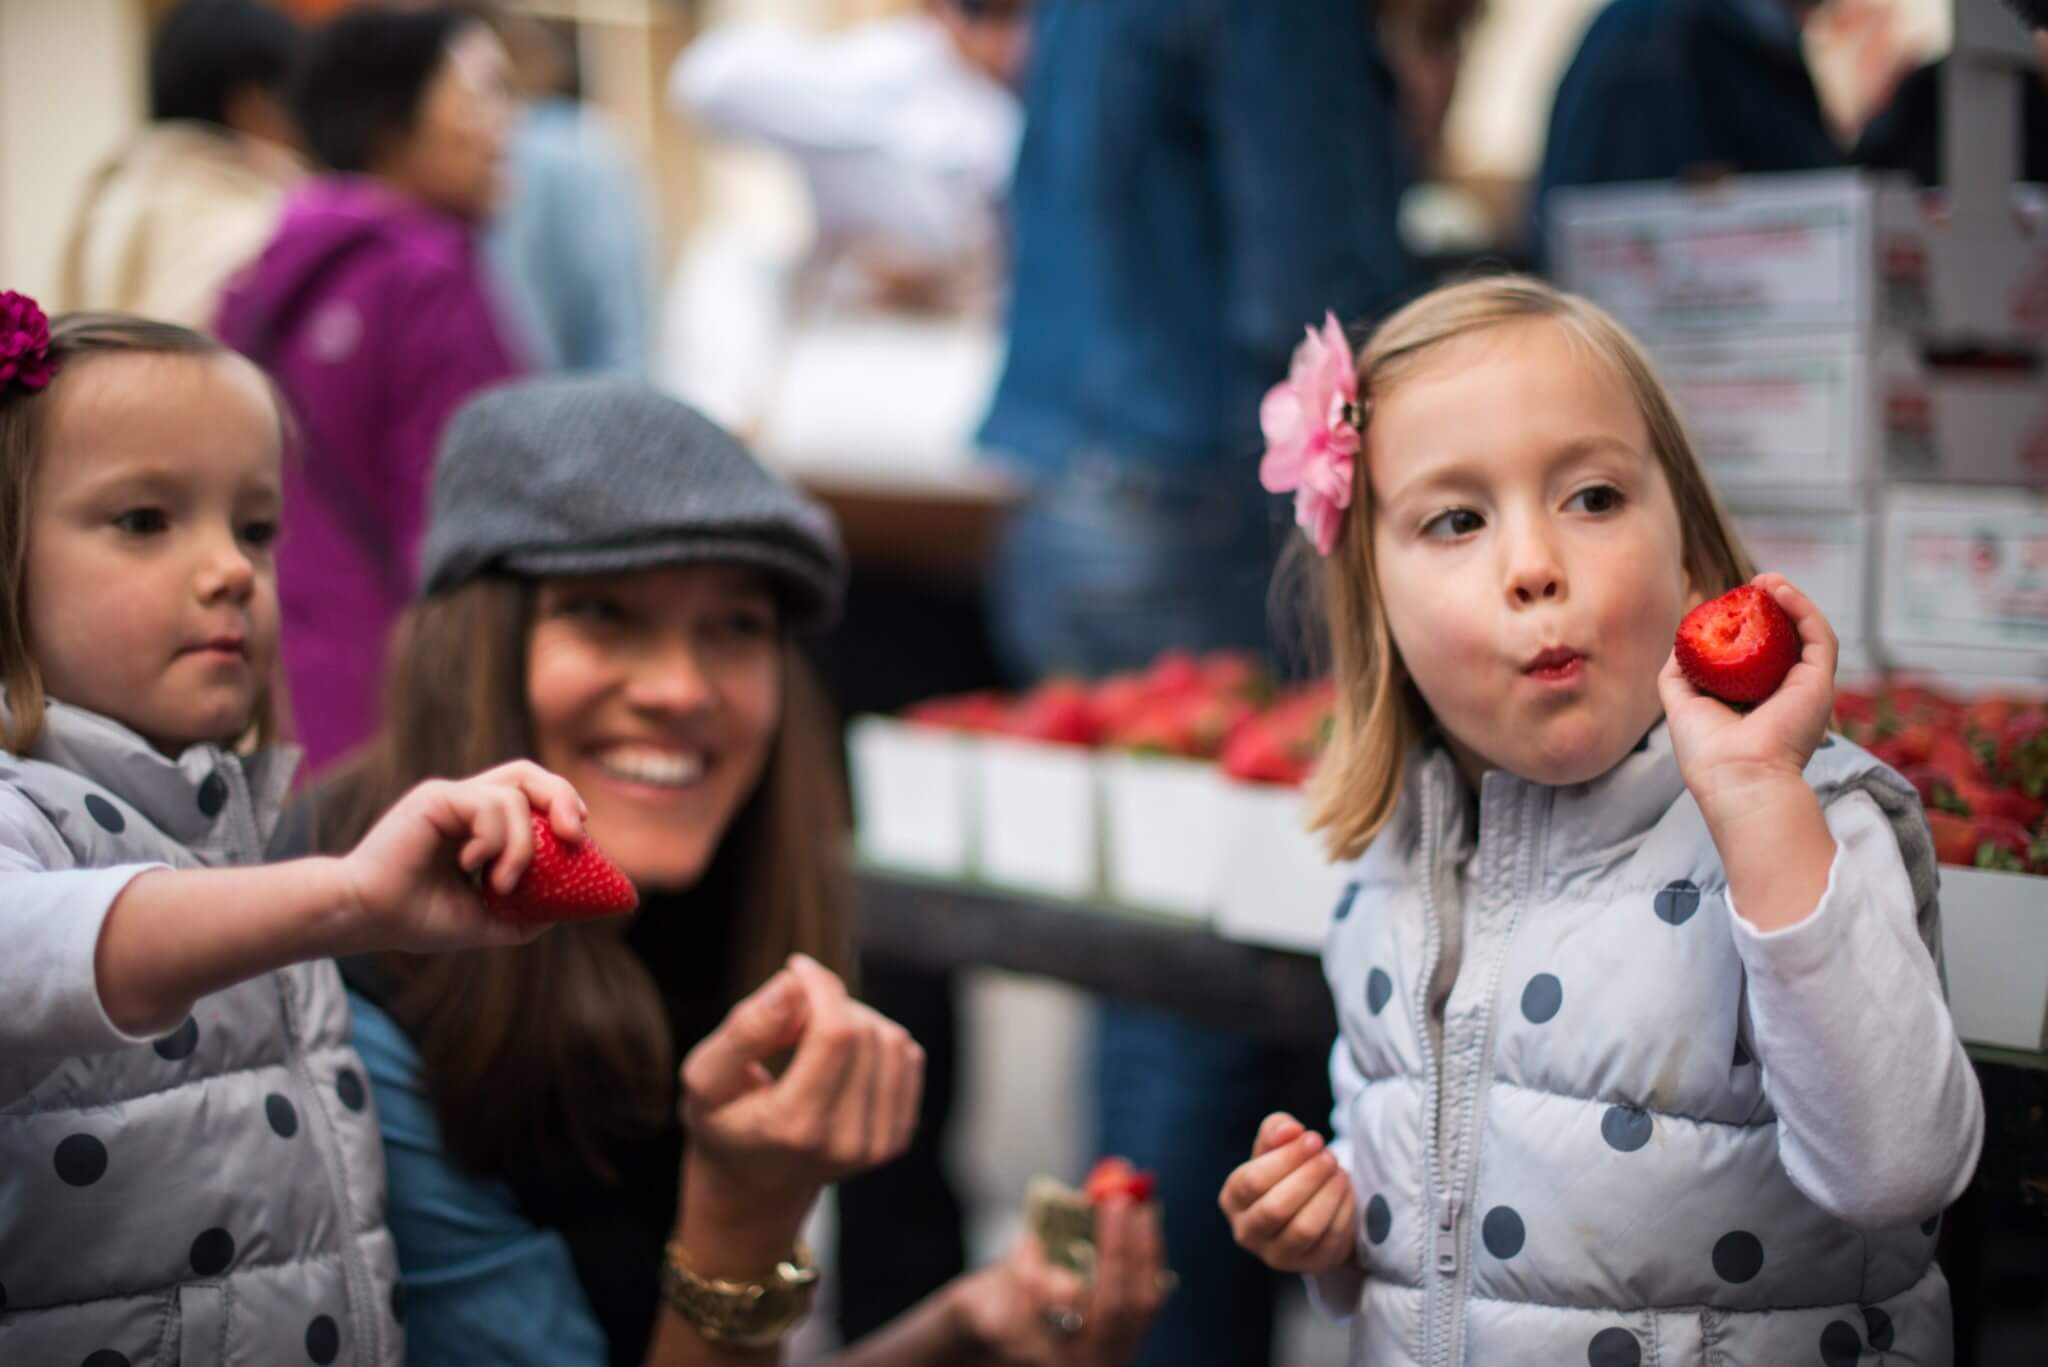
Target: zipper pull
[[1447, 1237]]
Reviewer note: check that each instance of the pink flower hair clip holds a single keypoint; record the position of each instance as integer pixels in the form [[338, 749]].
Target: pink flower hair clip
[[1313, 422], [24, 345]]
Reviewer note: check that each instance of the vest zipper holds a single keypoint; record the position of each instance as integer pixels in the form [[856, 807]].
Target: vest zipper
[[1447, 1236]]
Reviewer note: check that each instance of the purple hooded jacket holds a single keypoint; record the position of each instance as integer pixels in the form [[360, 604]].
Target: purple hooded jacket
[[374, 313]]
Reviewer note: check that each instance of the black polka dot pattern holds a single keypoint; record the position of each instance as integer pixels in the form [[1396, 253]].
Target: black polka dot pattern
[[1625, 1128], [1839, 1345], [213, 795], [1738, 1257], [81, 1160], [105, 1357], [1542, 998], [1379, 1219], [180, 1042], [398, 1301], [105, 813], [1878, 1325], [1502, 1232], [1379, 990], [1677, 902], [283, 1116], [1827, 742], [349, 1088], [1614, 1348], [323, 1340], [212, 1252], [1643, 745], [1344, 902]]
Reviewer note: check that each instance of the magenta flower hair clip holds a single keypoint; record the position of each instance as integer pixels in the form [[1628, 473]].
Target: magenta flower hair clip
[[24, 345], [1313, 423]]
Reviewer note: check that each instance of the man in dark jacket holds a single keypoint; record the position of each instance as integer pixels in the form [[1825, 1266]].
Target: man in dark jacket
[[1664, 88]]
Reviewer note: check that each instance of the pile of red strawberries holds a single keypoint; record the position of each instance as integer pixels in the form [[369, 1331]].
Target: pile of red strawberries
[[1981, 768], [1220, 707]]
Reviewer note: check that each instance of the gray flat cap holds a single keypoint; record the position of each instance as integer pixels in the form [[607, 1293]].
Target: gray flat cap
[[592, 474]]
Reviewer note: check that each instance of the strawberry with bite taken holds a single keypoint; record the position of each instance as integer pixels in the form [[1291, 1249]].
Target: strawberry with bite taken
[[1738, 647], [563, 883]]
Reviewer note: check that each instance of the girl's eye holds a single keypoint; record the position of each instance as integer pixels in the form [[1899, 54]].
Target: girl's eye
[[1453, 523], [142, 521], [1601, 498], [259, 533]]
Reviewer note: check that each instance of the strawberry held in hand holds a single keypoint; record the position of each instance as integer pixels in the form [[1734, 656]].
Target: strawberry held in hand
[[564, 883], [1738, 647], [1113, 1177]]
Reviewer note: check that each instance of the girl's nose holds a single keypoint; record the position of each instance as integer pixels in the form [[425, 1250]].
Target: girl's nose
[[1535, 572]]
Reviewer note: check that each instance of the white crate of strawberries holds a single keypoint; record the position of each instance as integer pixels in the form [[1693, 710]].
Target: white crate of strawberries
[[1981, 768], [1153, 789]]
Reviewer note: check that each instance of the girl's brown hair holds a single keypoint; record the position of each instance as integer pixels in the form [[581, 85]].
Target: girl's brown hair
[[540, 1056], [75, 338], [1380, 716]]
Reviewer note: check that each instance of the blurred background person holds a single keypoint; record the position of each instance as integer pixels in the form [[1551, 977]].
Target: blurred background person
[[1199, 180], [570, 245], [1666, 88], [373, 309], [197, 193]]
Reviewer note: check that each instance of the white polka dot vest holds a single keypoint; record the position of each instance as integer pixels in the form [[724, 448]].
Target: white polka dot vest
[[214, 1197], [1585, 1170]]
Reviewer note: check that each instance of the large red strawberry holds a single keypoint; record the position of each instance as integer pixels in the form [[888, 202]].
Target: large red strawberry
[[1117, 1177], [1056, 711], [1738, 647], [1981, 799], [564, 883], [963, 712]]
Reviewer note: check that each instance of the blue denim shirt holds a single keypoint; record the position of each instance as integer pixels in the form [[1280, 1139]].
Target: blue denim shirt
[[1199, 180]]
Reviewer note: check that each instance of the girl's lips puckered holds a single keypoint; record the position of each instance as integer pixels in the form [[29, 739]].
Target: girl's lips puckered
[[1559, 664]]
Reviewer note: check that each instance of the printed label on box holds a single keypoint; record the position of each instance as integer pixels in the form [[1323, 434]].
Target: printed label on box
[[1767, 417], [1973, 576]]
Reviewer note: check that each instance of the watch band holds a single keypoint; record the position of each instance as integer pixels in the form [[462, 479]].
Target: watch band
[[753, 1314]]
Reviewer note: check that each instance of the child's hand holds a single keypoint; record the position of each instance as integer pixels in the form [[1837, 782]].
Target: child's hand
[[1291, 1206], [404, 890], [1728, 757]]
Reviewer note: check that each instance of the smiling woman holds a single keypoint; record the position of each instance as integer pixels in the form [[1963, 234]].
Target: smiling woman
[[612, 588]]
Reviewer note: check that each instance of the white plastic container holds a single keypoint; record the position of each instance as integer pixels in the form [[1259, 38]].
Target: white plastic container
[[1994, 931], [1164, 822], [1278, 889], [1038, 818], [913, 797]]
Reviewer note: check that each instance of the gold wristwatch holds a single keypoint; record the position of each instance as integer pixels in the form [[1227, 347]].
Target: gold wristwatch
[[757, 1314]]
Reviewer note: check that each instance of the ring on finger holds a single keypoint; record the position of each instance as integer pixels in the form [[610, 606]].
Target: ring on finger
[[1065, 1321]]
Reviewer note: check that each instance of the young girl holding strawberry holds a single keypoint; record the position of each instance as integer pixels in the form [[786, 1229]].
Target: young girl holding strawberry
[[1644, 1055], [189, 1165]]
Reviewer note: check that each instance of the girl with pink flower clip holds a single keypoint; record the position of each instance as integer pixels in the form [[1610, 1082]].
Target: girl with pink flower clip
[[189, 1158], [1643, 1050]]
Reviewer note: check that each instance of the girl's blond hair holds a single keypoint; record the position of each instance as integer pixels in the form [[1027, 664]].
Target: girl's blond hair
[[1380, 716], [74, 339]]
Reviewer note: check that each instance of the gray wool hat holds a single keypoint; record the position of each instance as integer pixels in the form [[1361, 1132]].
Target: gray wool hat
[[593, 474]]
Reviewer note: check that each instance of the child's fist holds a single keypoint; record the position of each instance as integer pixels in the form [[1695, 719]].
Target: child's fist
[[1291, 1206]]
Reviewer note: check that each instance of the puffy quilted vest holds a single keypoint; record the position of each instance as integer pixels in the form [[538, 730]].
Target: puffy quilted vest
[[1586, 1171], [214, 1197]]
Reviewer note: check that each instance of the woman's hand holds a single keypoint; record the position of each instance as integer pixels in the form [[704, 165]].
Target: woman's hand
[[1025, 1311], [1728, 757], [760, 1146], [407, 882]]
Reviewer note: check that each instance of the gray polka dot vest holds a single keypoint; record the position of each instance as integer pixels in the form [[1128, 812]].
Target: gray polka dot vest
[[215, 1196]]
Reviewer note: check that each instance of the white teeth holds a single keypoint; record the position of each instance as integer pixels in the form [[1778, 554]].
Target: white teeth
[[667, 768]]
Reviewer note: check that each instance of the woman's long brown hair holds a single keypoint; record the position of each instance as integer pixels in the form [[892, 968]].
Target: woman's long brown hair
[[538, 1056]]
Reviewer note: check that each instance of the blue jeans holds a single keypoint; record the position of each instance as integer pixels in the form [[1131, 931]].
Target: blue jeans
[[1104, 569]]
